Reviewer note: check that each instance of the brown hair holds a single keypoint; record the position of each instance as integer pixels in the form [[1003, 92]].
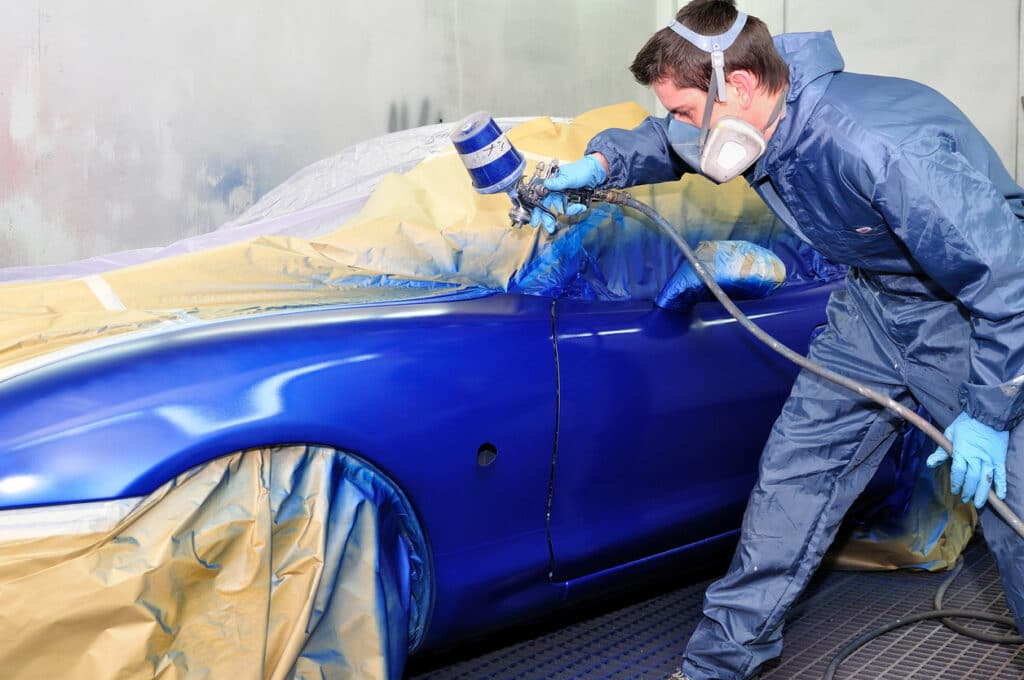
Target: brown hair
[[669, 55]]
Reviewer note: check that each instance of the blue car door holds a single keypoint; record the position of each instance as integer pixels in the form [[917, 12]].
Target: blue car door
[[662, 418]]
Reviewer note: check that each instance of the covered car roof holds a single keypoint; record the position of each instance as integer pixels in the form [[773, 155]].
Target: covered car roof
[[391, 219]]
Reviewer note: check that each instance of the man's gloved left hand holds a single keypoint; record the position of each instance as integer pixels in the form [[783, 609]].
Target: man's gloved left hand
[[585, 173], [741, 268], [979, 457]]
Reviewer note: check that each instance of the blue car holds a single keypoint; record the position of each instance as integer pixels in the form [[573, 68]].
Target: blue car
[[525, 448]]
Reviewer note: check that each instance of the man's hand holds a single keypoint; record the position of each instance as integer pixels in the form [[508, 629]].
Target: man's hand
[[741, 268], [586, 173], [979, 457]]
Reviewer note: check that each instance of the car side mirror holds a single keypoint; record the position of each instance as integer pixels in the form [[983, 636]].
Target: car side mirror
[[743, 269]]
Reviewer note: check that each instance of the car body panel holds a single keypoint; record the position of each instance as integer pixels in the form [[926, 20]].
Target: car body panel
[[661, 422], [586, 487], [414, 388]]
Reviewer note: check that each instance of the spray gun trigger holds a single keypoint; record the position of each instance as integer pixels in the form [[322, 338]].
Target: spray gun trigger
[[529, 193]]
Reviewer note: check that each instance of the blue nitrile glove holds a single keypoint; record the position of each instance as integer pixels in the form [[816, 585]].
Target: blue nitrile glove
[[555, 203], [979, 457], [585, 173], [741, 268]]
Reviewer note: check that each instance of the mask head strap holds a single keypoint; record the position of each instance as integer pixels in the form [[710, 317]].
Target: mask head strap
[[777, 111], [716, 45], [709, 103]]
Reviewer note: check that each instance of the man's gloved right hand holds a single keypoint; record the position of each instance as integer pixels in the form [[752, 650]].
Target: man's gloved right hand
[[979, 458], [586, 173]]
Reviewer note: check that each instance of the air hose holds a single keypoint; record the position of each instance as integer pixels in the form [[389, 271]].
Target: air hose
[[937, 613]]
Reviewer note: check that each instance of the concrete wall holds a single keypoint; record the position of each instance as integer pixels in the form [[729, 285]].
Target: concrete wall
[[126, 125]]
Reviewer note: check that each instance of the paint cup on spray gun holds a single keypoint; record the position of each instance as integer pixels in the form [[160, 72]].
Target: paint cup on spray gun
[[493, 163]]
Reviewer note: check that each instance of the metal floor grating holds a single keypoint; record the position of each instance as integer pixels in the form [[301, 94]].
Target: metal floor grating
[[644, 640]]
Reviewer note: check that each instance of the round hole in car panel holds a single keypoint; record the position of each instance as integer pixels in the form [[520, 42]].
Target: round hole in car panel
[[486, 454]]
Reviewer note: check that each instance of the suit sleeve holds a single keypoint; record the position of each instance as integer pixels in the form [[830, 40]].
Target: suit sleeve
[[961, 231], [642, 155]]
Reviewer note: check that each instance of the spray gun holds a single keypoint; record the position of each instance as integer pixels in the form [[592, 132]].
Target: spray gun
[[496, 166], [531, 192]]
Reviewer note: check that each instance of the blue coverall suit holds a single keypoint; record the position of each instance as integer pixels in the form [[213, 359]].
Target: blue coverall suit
[[887, 176]]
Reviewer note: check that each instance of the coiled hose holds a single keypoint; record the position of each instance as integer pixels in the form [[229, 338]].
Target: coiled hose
[[937, 613]]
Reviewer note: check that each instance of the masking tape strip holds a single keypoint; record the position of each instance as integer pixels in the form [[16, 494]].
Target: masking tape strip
[[490, 153], [74, 350], [61, 520], [104, 293]]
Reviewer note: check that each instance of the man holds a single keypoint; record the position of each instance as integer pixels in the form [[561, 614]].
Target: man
[[884, 175]]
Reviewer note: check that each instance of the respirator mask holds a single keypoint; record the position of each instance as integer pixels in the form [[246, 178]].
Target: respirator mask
[[730, 147]]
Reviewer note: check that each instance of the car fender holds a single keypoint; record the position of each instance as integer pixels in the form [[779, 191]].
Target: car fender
[[416, 389]]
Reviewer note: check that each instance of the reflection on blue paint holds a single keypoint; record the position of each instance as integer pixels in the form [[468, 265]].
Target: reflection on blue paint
[[16, 485], [264, 400]]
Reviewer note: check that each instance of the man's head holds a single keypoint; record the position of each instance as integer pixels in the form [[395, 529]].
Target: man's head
[[680, 72]]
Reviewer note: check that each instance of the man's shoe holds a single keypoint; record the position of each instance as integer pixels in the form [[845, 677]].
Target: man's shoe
[[680, 675]]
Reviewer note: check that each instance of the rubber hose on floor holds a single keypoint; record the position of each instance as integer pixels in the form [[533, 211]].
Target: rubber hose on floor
[[938, 613]]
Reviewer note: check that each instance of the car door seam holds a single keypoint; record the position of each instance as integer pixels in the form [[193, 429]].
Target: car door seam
[[554, 452]]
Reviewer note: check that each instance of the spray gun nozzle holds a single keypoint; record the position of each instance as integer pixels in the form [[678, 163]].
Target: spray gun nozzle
[[519, 215]]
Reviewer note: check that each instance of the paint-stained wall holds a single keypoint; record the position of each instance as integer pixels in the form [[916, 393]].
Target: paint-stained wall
[[135, 124]]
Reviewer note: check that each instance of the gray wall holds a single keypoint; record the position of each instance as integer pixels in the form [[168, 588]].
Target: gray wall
[[971, 52], [1020, 93], [127, 124]]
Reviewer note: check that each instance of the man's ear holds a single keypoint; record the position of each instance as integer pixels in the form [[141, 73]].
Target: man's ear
[[743, 85]]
